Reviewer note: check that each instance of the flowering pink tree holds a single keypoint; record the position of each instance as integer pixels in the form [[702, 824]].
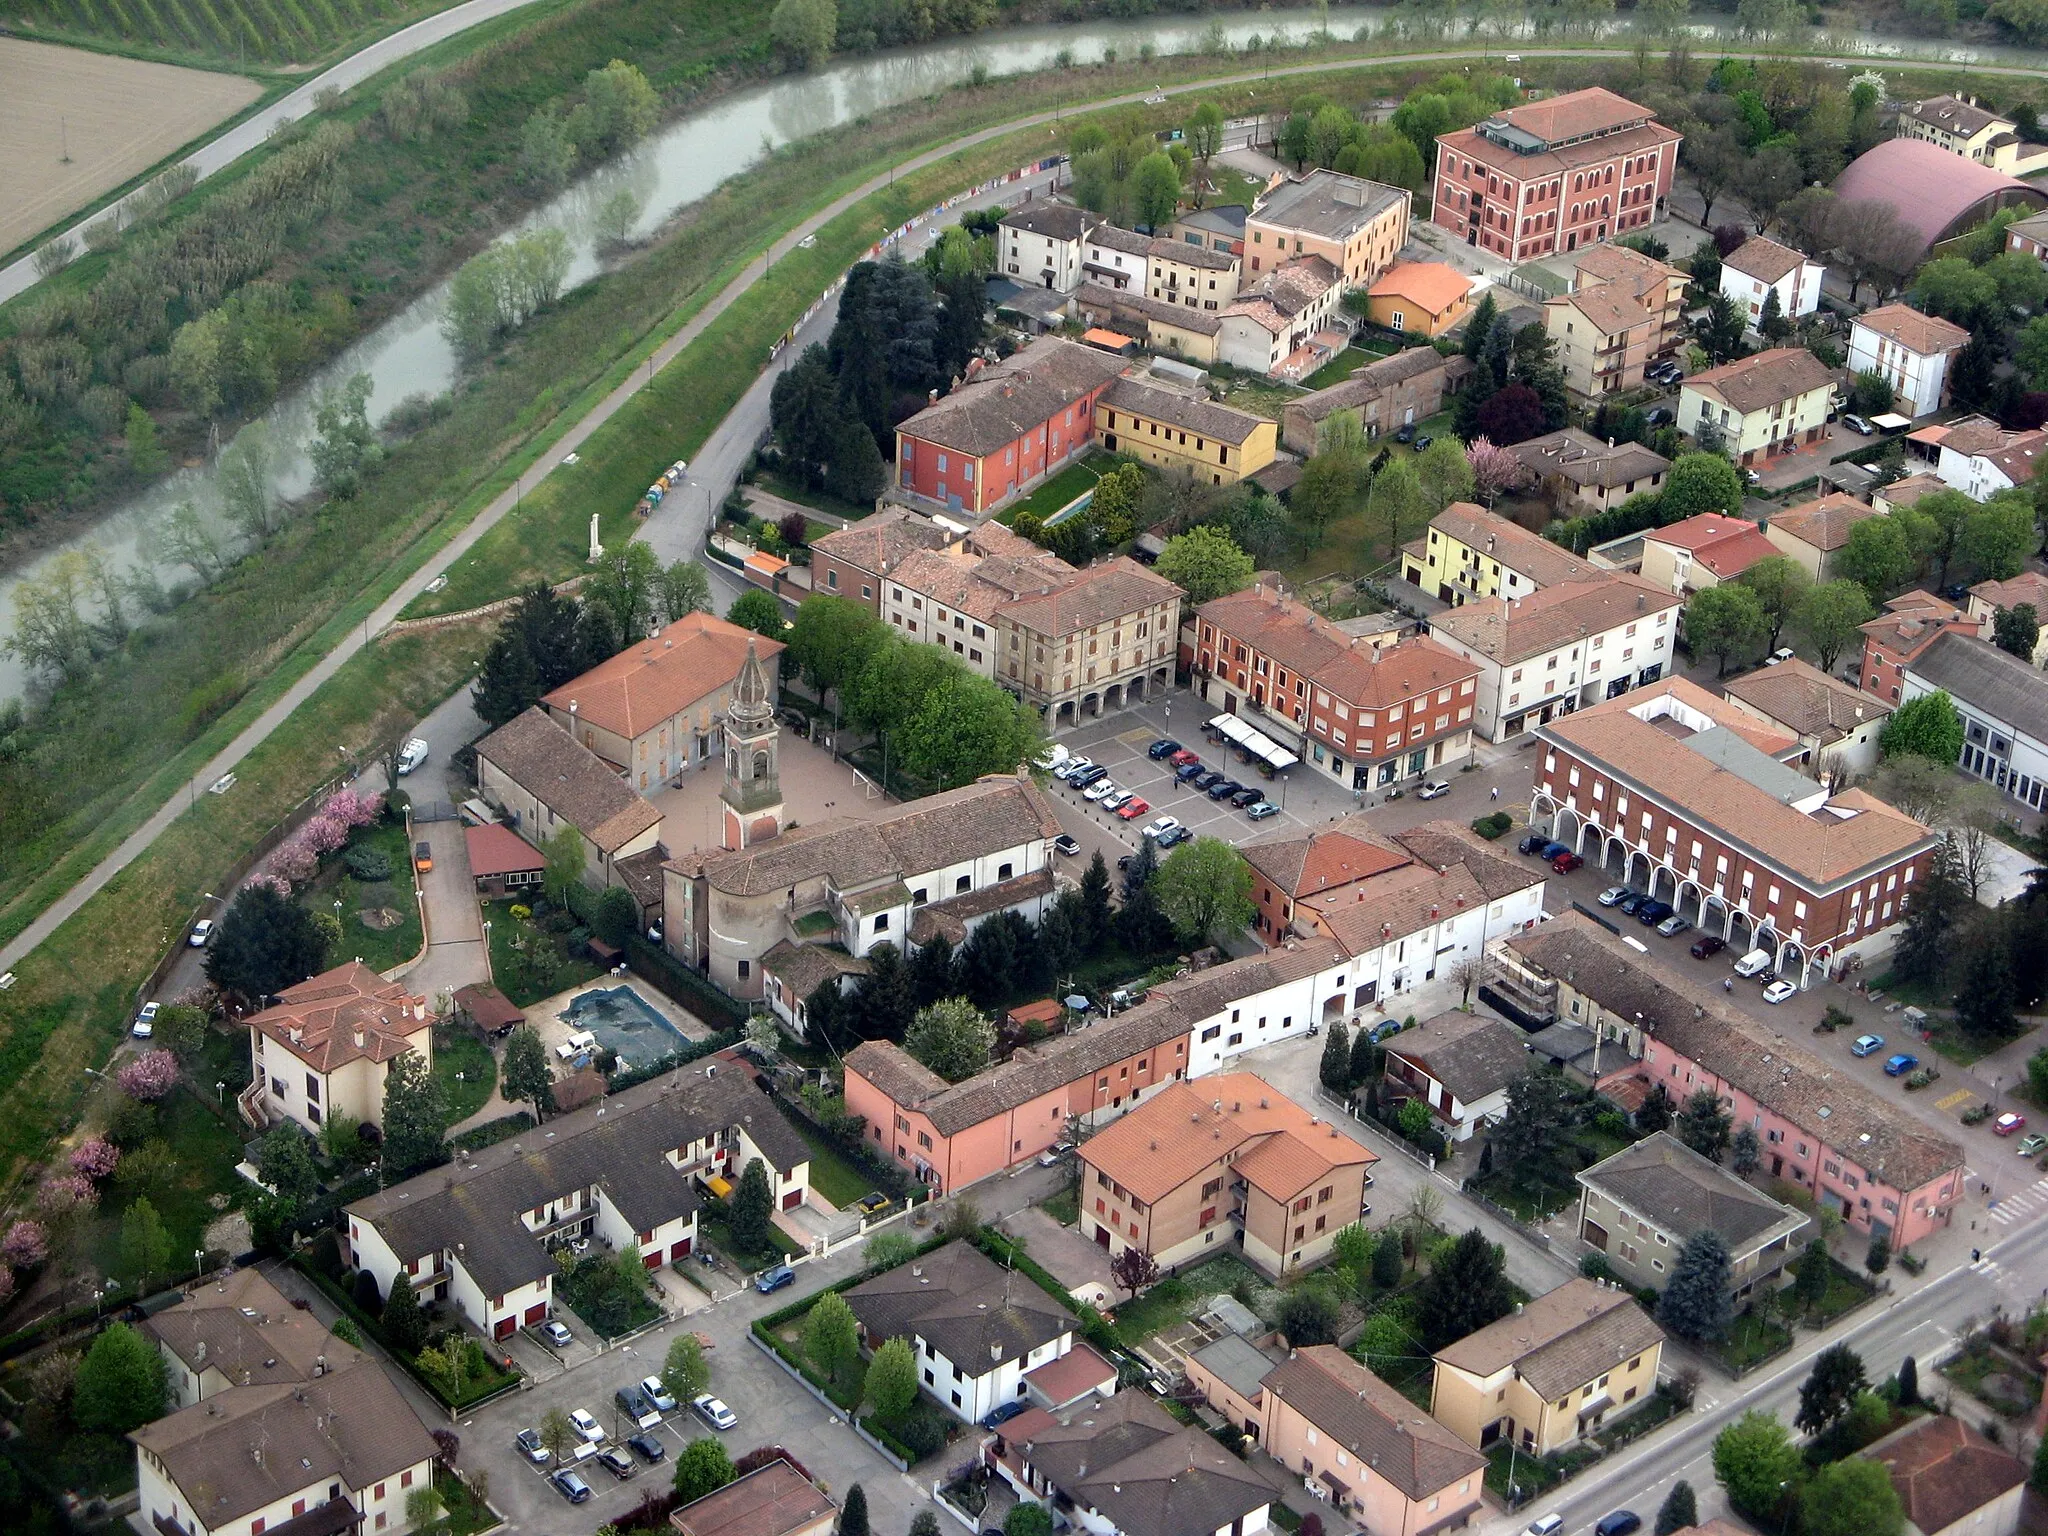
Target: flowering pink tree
[[6, 1284], [1494, 469], [149, 1076], [95, 1158], [64, 1193], [324, 833], [25, 1245], [294, 863], [274, 882], [352, 808]]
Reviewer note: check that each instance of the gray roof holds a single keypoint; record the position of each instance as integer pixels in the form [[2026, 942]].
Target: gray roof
[[1472, 1054], [1667, 1184], [1056, 221], [1325, 203], [1236, 1363], [960, 1302], [1727, 749], [569, 779], [1992, 682], [1561, 1340], [619, 1146], [1584, 460], [1179, 408], [1147, 1474]]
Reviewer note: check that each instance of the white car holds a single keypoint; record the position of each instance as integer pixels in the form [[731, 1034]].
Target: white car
[[585, 1426], [652, 1389], [1162, 826], [202, 933], [1073, 767], [145, 1022], [1100, 791], [1117, 801], [1753, 962], [1611, 895], [1779, 991], [1431, 790], [1053, 759], [412, 755], [556, 1334], [714, 1412]]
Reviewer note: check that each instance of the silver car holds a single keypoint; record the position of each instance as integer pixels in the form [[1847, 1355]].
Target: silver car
[[714, 1412]]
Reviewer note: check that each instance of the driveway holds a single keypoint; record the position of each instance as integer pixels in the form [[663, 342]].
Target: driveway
[[455, 954], [1805, 463]]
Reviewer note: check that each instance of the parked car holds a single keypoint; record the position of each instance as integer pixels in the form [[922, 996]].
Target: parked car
[[1673, 926], [1623, 1522], [2029, 1145], [1074, 767], [1099, 789], [1003, 1414], [411, 755], [528, 1441], [1405, 434], [1053, 759], [714, 1412], [1535, 842], [556, 1334], [873, 1203], [1659, 416], [1553, 848], [1162, 826], [1422, 441], [1065, 843], [1432, 789], [657, 1394], [1628, 904], [585, 1425], [1052, 1154], [1188, 772], [1089, 777], [1164, 747], [775, 1279], [1206, 779], [1133, 808], [1566, 862], [1780, 656], [422, 856], [1260, 810], [1866, 1045], [2007, 1123], [647, 1447], [202, 933], [1547, 1525], [1755, 963], [1899, 1065], [1173, 837], [1613, 895], [1245, 797], [145, 1022], [1183, 757], [1117, 801], [570, 1486], [1223, 789], [1784, 991], [1651, 913], [1706, 946], [617, 1462], [1858, 425]]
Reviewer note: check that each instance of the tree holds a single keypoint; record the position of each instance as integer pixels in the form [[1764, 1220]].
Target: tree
[[1205, 563], [1851, 1497], [753, 1202], [1495, 470], [1386, 1260], [422, 1507], [1307, 1316], [1511, 415], [1204, 140], [1365, 1058], [1780, 585], [345, 447], [1330, 485], [833, 641], [415, 1115], [1879, 557], [1695, 1303], [963, 727], [563, 851], [557, 1433], [1830, 616], [2016, 630], [1467, 1288], [120, 1385], [265, 944], [1878, 1257], [1705, 1124], [1927, 726], [145, 1244], [1095, 910], [832, 1335], [1745, 1152], [757, 610], [1544, 1110], [1133, 1270], [405, 1325], [1336, 1064], [526, 1077], [891, 1383], [804, 30], [1445, 471], [1205, 889], [1983, 973], [1720, 337], [1725, 622], [1027, 1518], [285, 1163], [1155, 185], [1829, 1388], [684, 1372], [704, 1468], [1700, 482], [1811, 1274], [1755, 1459], [1679, 1510], [952, 1037]]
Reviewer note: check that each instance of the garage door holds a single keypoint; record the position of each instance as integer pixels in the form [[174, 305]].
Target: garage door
[[792, 1200], [679, 1250], [505, 1327], [536, 1313], [652, 1260]]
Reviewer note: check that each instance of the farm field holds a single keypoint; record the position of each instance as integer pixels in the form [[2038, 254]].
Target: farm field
[[115, 117], [244, 31]]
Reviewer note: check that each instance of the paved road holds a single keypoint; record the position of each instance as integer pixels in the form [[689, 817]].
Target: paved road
[[19, 276]]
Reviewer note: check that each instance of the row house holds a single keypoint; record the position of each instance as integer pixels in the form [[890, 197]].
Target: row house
[[1624, 312], [1554, 175], [1285, 320], [1356, 226], [1684, 795], [1912, 352], [1040, 245], [1171, 272], [1383, 396], [1364, 711], [1459, 1066], [1189, 335], [2003, 703], [1184, 432], [1977, 456], [1560, 649], [851, 562], [1836, 723], [1759, 406], [480, 1234], [1758, 268], [1470, 552], [1814, 533], [1852, 1149]]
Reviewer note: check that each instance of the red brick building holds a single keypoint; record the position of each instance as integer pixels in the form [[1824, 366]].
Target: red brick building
[[1366, 710], [1684, 795], [1004, 429], [1895, 639], [1554, 175]]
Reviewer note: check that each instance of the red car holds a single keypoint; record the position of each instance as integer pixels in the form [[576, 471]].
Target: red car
[[1565, 863], [1133, 808], [2005, 1125], [1183, 757]]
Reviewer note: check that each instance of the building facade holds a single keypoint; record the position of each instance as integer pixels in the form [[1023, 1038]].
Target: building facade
[[1960, 126], [1625, 311], [1836, 724], [1977, 456], [1759, 406], [2003, 702], [1358, 227], [1423, 298], [852, 561], [1642, 1205], [542, 779], [1701, 552], [1989, 598], [325, 1046], [1040, 245], [1910, 623], [1910, 351], [1472, 553], [1277, 318], [1758, 268], [1398, 391], [1457, 1065], [1582, 476], [1188, 434]]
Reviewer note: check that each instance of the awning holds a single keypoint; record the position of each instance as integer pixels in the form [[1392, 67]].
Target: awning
[[1255, 742], [718, 1186]]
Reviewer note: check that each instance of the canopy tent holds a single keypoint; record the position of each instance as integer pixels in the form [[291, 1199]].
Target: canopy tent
[[1254, 743]]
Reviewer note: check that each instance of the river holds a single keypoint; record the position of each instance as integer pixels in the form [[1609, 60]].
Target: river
[[684, 161]]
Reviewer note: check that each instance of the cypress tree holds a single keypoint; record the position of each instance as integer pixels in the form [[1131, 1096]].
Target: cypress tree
[[853, 1514], [1336, 1069]]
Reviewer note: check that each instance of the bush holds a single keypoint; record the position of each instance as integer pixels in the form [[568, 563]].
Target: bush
[[1496, 825], [367, 863]]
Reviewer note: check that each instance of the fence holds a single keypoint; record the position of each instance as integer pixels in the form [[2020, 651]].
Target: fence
[[852, 1421], [939, 1498], [1411, 1152]]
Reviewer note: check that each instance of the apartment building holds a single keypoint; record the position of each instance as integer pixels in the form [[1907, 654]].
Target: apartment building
[[1554, 175], [952, 596], [1398, 391], [1910, 623], [1560, 649], [1358, 227], [1545, 1376], [1228, 1161], [325, 1046], [1366, 713], [1910, 351], [1582, 476], [1762, 405], [1179, 430], [1758, 268], [2003, 702], [1219, 227], [479, 1234], [1274, 326], [1854, 1149], [1989, 598], [239, 1331], [1101, 639], [1962, 127], [1471, 553], [1425, 298], [851, 562], [1641, 1206], [1813, 533], [1190, 276], [1978, 457], [1702, 552], [1688, 797], [1040, 245], [1624, 311]]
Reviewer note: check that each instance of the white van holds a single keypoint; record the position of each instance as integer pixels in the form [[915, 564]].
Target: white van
[[1757, 960]]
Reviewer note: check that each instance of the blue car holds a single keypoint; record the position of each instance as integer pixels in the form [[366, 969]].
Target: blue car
[[1187, 771], [1900, 1065], [1003, 1415], [1166, 746], [1867, 1045], [775, 1279]]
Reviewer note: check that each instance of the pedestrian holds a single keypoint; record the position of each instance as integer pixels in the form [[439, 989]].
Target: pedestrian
[[1496, 793]]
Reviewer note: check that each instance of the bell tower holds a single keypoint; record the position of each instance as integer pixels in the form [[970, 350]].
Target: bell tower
[[753, 745]]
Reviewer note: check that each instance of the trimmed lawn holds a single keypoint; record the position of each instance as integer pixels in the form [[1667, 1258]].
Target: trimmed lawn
[[1174, 1301], [378, 948], [822, 501], [1750, 1339], [832, 1175], [194, 1152], [1063, 487], [508, 963], [466, 1071], [1346, 363]]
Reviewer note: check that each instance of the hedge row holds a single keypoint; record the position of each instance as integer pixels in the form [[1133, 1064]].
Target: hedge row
[[491, 1132], [684, 985]]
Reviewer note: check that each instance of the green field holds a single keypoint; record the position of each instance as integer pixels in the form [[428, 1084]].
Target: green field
[[251, 31]]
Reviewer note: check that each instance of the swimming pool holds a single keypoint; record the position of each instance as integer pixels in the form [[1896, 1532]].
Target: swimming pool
[[626, 1024]]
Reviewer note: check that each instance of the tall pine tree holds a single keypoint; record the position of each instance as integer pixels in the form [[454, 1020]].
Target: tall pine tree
[[1336, 1068], [1922, 952], [1095, 913]]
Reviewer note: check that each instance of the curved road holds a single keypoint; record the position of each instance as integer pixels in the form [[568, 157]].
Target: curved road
[[682, 533], [19, 276]]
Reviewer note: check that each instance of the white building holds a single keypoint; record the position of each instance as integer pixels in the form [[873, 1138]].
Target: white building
[[1459, 1065], [1281, 313], [1911, 351], [1978, 457], [1117, 259], [326, 1045], [1758, 268], [1039, 245], [2003, 703], [480, 1233], [238, 1330], [1560, 648]]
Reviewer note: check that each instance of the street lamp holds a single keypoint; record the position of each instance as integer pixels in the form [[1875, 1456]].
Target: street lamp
[[198, 1260], [219, 1092]]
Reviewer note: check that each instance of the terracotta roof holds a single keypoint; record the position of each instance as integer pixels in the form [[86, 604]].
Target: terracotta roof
[[1185, 1129], [1584, 460], [2017, 454], [1431, 284], [1372, 381], [495, 849], [1075, 1374], [961, 1302], [1508, 630], [1765, 379], [1824, 524], [1127, 305], [1561, 1340], [1056, 221], [1310, 862], [1574, 115], [1145, 1474], [1005, 401], [1765, 260], [1910, 622], [2027, 587], [242, 1326], [1179, 408], [1304, 642], [486, 1007], [347, 1014], [659, 677], [769, 1501], [1721, 786], [1452, 846], [1350, 1405], [880, 543], [804, 968], [1951, 114], [1326, 203], [1699, 1023], [1924, 334], [247, 1447], [1806, 701], [1943, 1470], [1291, 287], [1474, 144], [1472, 1054], [1499, 538], [569, 779], [1928, 187], [1664, 1182], [1727, 546], [1907, 492], [1607, 308], [1644, 278], [1403, 903]]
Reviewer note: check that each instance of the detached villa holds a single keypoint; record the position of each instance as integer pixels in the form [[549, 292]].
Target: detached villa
[[325, 1046]]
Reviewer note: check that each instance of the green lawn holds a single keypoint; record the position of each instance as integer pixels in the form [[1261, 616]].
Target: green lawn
[[1846, 1291], [790, 489], [1344, 364], [466, 1071], [1174, 1301], [1063, 487], [379, 948], [1064, 1207], [1355, 544], [1751, 1338], [509, 969], [832, 1175], [200, 1147]]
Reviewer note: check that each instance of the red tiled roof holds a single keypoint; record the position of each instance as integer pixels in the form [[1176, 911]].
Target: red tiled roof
[[495, 849], [343, 1015]]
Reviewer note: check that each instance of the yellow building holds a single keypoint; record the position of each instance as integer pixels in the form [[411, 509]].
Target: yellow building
[[1184, 432], [1357, 226], [1551, 1371], [1423, 298], [1473, 553]]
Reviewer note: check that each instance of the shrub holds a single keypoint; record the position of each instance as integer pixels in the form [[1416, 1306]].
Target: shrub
[[95, 1158], [367, 863], [25, 1245]]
